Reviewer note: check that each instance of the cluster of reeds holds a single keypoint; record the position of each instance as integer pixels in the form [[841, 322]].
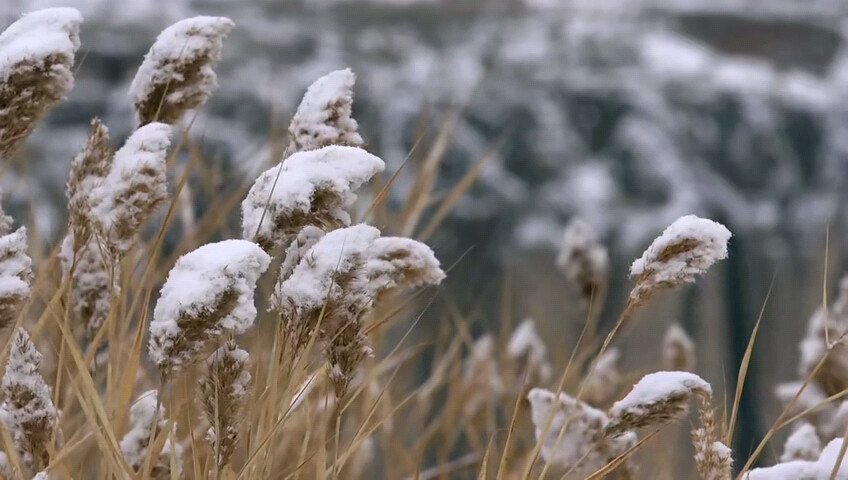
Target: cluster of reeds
[[295, 329]]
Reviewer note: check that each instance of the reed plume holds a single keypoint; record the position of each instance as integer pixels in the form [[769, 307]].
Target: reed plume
[[309, 188], [177, 74], [208, 293], [684, 251], [678, 350], [583, 261], [802, 444], [15, 275], [527, 348], [27, 411], [323, 117], [223, 394], [36, 56]]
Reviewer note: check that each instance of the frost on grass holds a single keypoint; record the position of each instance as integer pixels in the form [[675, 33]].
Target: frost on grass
[[685, 250], [819, 469], [223, 393], [27, 411], [309, 188], [527, 348], [208, 293], [658, 398], [36, 58], [335, 284], [678, 350], [177, 75], [802, 444], [134, 188], [583, 260], [323, 117], [15, 275], [135, 445], [575, 437]]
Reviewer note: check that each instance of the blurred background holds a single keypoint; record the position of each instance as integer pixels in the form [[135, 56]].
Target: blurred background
[[625, 113]]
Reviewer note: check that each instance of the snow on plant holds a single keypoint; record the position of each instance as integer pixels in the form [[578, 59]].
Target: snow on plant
[[27, 411], [575, 438], [658, 398], [323, 117], [15, 275], [133, 189], [482, 382], [208, 293], [36, 57], [177, 75], [685, 250], [335, 285], [147, 420], [309, 188]]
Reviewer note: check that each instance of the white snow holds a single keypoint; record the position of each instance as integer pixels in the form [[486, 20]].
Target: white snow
[[657, 387], [196, 284], [802, 444], [324, 115], [182, 43], [290, 188], [414, 261]]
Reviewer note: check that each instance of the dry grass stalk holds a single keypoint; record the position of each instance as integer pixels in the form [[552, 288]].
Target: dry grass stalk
[[177, 75], [208, 293], [223, 394], [584, 261], [15, 275], [36, 56], [575, 440], [678, 350], [309, 188], [685, 250], [28, 413], [657, 399], [323, 117], [147, 421]]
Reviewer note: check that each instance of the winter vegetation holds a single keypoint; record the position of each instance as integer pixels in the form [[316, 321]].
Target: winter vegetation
[[280, 335]]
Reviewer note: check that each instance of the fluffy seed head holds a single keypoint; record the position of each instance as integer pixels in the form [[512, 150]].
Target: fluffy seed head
[[208, 293], [603, 386], [481, 380], [309, 188], [802, 444], [88, 172], [134, 188], [146, 419], [525, 343], [324, 115], [658, 398], [27, 411], [15, 275], [685, 250], [95, 279], [223, 393], [36, 56], [177, 75]]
